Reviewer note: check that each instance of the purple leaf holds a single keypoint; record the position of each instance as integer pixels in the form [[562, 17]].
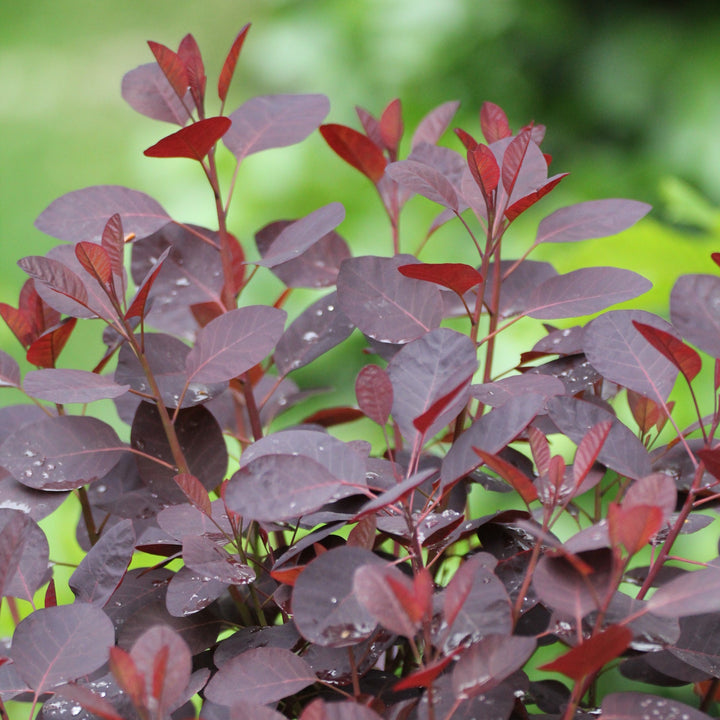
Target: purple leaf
[[189, 592], [210, 560], [423, 370], [71, 386], [302, 234], [695, 311], [58, 278], [585, 291], [501, 391], [384, 304], [621, 354], [280, 487], [431, 128], [274, 121], [9, 371], [147, 90], [102, 569], [621, 451], [235, 341], [315, 331], [61, 453], [23, 555], [424, 180], [516, 288], [181, 520], [82, 214], [374, 393], [693, 593], [62, 643], [396, 492], [261, 675], [34, 503], [325, 609], [593, 219], [636, 706]]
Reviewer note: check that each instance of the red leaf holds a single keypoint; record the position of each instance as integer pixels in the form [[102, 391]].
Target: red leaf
[[424, 421], [356, 149], [540, 449], [172, 66], [521, 205], [113, 241], [374, 393], [18, 322], [95, 259], [391, 126], [513, 160], [522, 484], [195, 492], [646, 412], [228, 68], [329, 417], [484, 168], [38, 312], [84, 696], [466, 139], [127, 675], [592, 654], [434, 124], [425, 675], [194, 141], [676, 351], [589, 449], [189, 54], [455, 276], [494, 122], [633, 526], [44, 351], [137, 307], [50, 595], [711, 459]]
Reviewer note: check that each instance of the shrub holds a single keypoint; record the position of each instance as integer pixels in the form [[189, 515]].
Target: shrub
[[316, 577]]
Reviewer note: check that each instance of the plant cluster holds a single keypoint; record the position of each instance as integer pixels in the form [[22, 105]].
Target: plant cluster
[[270, 570]]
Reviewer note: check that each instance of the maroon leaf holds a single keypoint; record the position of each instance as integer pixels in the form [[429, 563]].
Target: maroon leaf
[[385, 305], [235, 341], [484, 169], [458, 277], [189, 54], [280, 487], [101, 570], [9, 371], [113, 241], [82, 214], [513, 159], [71, 386], [137, 306], [434, 124], [685, 359], [261, 675], [228, 68], [24, 554], [274, 121], [494, 122], [520, 206], [633, 526], [82, 695], [585, 291], [299, 236], [592, 219], [589, 449], [592, 654], [195, 492], [194, 141], [189, 592], [499, 392], [396, 492], [356, 149], [635, 706], [61, 453], [488, 662], [325, 609], [694, 303], [424, 180], [520, 482], [374, 393], [657, 489], [693, 593], [19, 322], [621, 354], [172, 66], [95, 259], [147, 90], [211, 561], [423, 422], [57, 644], [58, 278], [391, 126]]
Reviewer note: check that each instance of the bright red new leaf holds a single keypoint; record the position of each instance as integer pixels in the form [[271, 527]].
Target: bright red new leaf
[[391, 127], [522, 484], [228, 68], [356, 149], [96, 260], [632, 527], [194, 141], [172, 66], [484, 168], [685, 359], [44, 351], [494, 122], [189, 54], [458, 277], [374, 393]]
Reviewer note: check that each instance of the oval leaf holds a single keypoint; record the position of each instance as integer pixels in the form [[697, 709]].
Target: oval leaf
[[194, 141], [695, 311], [71, 386], [356, 149], [424, 180], [374, 393]]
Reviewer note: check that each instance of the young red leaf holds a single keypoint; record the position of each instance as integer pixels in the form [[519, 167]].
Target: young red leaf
[[424, 421], [425, 676], [374, 393], [466, 139], [127, 676], [521, 205], [588, 450], [592, 654], [513, 159], [391, 127], [355, 149], [189, 53], [45, 351], [113, 241], [228, 68], [484, 168], [172, 66], [434, 124], [455, 276], [493, 122], [632, 527], [363, 534], [95, 259], [50, 594], [540, 449], [18, 322], [194, 141], [195, 492], [137, 306], [329, 417], [646, 412], [522, 484], [676, 351], [426, 181]]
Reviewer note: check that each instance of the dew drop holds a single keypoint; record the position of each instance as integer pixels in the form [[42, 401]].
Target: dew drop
[[330, 308], [29, 453], [75, 710], [310, 336], [182, 282], [101, 488], [28, 473]]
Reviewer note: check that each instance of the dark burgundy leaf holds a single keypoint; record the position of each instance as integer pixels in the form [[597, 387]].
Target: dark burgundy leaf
[[396, 492], [137, 306], [496, 704], [657, 489], [34, 503], [95, 259], [424, 180], [318, 709], [193, 142], [13, 530], [621, 354], [694, 311], [434, 124], [261, 675], [147, 90], [61, 453], [283, 636], [228, 68], [82, 214], [299, 236], [592, 654], [280, 487], [374, 392], [189, 592], [57, 644], [488, 662], [636, 706], [585, 291], [501, 391], [385, 305], [621, 451], [693, 593], [356, 149], [58, 278], [9, 371], [67, 698], [518, 480], [494, 122], [325, 609], [181, 520], [102, 569], [632, 527], [24, 554], [698, 644], [211, 561], [195, 492], [44, 351], [458, 277], [235, 341], [423, 370], [592, 219], [71, 386], [201, 441], [274, 121], [685, 359], [189, 53]]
